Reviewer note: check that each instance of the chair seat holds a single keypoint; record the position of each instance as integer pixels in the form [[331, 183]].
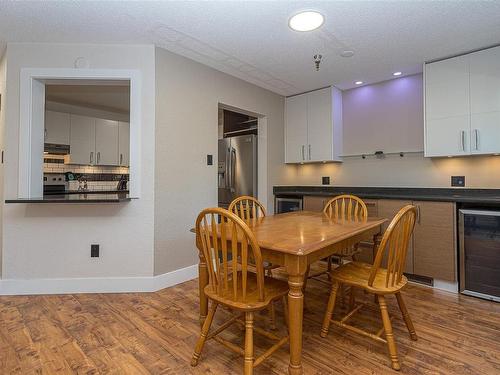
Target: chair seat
[[273, 290], [358, 273]]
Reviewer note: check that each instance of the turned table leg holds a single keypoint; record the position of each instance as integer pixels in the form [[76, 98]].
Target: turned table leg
[[296, 272]]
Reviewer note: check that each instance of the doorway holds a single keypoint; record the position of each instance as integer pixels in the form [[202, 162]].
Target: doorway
[[238, 155]]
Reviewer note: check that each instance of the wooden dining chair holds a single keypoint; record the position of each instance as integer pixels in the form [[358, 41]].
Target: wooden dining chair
[[228, 244], [378, 281], [343, 208], [249, 208]]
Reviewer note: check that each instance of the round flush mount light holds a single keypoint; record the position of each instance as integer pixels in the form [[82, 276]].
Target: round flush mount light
[[306, 21], [396, 74], [358, 82]]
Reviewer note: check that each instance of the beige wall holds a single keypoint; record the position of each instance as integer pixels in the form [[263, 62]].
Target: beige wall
[[3, 97], [47, 241], [187, 98], [371, 117]]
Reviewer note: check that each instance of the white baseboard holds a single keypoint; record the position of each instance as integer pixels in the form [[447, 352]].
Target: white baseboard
[[97, 285]]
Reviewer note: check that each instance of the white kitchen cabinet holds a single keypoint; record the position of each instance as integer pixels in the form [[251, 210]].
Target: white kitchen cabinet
[[106, 142], [485, 101], [57, 127], [123, 143], [82, 140], [447, 113], [313, 126], [319, 125], [296, 129], [462, 105]]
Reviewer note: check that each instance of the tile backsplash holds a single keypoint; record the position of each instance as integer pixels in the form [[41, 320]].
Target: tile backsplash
[[98, 177]]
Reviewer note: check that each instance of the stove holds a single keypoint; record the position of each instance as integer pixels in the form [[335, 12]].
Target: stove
[[54, 183]]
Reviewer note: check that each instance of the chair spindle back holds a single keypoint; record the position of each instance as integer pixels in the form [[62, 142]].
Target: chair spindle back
[[346, 207], [229, 247], [247, 208], [395, 243]]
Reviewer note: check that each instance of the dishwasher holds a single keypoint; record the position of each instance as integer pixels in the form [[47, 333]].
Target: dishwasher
[[479, 237]]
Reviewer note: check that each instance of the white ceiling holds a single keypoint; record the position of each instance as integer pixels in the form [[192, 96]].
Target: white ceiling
[[251, 39]]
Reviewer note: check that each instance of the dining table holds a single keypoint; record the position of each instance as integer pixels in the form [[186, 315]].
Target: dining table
[[294, 241]]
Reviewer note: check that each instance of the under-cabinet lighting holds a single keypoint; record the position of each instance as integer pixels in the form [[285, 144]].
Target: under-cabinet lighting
[[358, 82], [397, 73]]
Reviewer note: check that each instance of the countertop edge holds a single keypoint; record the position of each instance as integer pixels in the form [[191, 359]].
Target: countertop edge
[[461, 195]]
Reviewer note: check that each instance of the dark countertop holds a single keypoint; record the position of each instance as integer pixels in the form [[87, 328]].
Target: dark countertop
[[91, 197], [464, 195]]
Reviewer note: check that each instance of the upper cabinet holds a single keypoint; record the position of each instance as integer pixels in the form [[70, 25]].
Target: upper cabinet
[[95, 141], [462, 105], [106, 142], [485, 101], [123, 143], [82, 140], [313, 126], [57, 127]]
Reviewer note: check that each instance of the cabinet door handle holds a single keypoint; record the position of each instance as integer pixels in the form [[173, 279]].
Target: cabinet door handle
[[91, 157], [476, 139], [309, 152], [98, 157], [418, 214], [463, 140], [44, 133], [121, 159], [303, 153]]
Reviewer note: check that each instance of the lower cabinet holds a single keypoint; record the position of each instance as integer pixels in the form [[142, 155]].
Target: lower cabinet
[[388, 208], [314, 203], [434, 240], [432, 249]]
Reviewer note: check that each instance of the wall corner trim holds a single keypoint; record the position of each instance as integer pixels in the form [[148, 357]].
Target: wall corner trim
[[98, 285]]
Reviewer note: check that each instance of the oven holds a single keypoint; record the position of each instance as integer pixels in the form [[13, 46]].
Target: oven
[[479, 236], [287, 204], [54, 183]]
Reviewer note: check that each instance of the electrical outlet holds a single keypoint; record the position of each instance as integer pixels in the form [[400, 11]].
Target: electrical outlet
[[325, 180], [458, 181], [94, 251]]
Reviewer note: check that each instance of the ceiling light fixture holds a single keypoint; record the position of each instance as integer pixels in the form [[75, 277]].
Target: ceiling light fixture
[[306, 21], [397, 74], [358, 82]]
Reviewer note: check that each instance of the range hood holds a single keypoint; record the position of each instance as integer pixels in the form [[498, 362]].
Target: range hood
[[56, 149]]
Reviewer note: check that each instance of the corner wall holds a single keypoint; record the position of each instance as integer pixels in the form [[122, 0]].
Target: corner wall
[[187, 98], [48, 241]]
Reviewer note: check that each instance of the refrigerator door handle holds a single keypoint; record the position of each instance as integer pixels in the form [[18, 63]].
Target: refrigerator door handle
[[233, 168], [227, 183]]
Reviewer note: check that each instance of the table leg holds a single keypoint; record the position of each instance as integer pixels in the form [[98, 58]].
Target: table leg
[[295, 315], [202, 283]]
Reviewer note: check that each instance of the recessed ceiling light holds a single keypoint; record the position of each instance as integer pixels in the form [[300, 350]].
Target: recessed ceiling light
[[397, 74], [306, 21], [358, 82]]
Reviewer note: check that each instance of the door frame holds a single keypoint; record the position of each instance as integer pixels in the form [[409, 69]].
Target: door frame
[[262, 186]]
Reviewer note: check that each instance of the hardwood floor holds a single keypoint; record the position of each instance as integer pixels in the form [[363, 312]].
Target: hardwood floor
[[155, 333]]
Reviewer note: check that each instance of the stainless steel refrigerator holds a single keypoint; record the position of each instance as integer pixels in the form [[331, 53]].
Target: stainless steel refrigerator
[[237, 168]]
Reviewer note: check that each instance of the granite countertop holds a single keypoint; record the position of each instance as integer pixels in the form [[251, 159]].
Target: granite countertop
[[91, 197], [464, 195]]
